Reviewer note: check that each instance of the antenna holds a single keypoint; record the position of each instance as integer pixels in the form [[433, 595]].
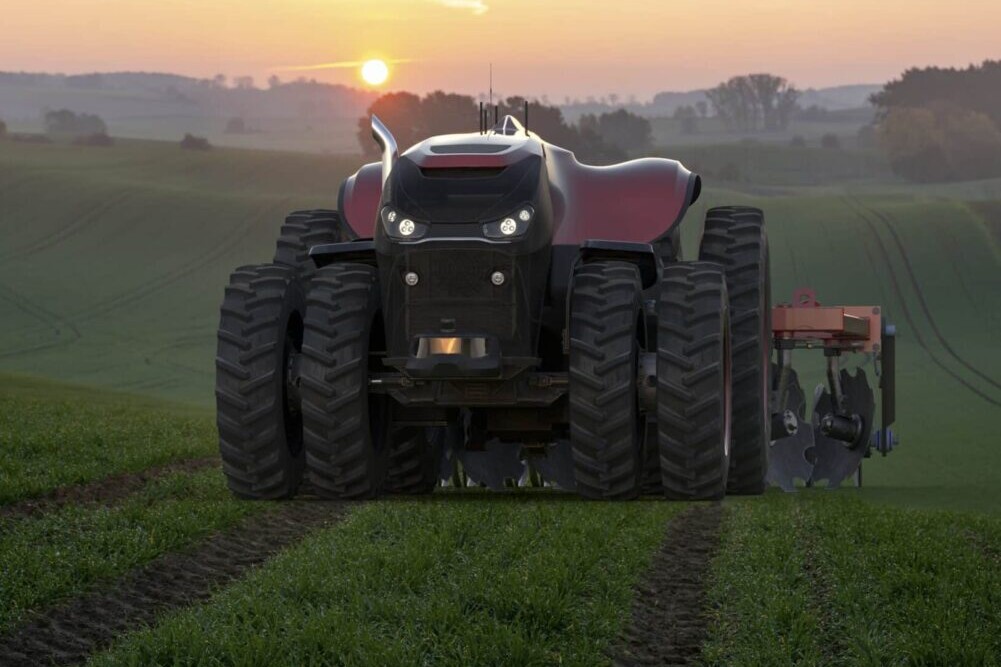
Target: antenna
[[496, 113], [481, 117], [492, 85], [526, 118]]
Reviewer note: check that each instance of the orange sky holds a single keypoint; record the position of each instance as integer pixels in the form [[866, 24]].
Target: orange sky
[[558, 47]]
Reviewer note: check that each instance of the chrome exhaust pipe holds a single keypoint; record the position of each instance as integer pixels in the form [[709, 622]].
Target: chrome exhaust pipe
[[390, 151]]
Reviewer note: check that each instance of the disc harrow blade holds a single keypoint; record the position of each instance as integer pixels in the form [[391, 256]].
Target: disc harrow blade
[[492, 466], [836, 460], [791, 458], [556, 466]]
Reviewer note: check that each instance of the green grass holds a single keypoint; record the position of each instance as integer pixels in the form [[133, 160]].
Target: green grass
[[825, 579], [62, 553], [461, 579], [113, 261], [53, 434]]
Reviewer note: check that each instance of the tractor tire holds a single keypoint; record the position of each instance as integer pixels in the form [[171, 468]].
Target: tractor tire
[[303, 230], [694, 391], [344, 428], [259, 422], [735, 238], [605, 424], [414, 460]]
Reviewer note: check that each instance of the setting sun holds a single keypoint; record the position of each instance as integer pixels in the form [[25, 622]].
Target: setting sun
[[374, 72]]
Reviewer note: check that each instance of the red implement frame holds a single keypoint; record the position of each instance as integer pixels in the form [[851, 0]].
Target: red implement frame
[[806, 323]]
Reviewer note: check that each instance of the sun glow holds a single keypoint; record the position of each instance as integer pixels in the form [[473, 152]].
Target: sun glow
[[374, 72]]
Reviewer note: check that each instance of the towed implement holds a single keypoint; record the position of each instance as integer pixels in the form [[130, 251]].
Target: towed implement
[[484, 309]]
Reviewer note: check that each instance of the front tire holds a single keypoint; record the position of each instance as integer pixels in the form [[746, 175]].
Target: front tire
[[605, 424], [693, 382], [345, 428], [734, 237], [260, 426]]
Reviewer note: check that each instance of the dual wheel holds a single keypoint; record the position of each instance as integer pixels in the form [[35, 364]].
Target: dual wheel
[[292, 379], [704, 433]]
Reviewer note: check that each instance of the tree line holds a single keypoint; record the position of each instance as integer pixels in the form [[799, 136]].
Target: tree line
[[942, 124]]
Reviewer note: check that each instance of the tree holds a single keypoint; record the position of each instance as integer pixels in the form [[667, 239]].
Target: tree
[[977, 88], [702, 107], [754, 102], [831, 141], [624, 130], [687, 118], [244, 83], [66, 123], [798, 141], [192, 143], [274, 82], [943, 144], [401, 112], [942, 124], [3, 129]]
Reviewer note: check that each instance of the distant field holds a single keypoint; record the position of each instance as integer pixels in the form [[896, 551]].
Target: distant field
[[112, 264]]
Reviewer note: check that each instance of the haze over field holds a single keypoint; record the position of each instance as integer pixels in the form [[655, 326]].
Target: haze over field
[[557, 48]]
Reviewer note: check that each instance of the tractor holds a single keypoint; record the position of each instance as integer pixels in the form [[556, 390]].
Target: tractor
[[483, 309]]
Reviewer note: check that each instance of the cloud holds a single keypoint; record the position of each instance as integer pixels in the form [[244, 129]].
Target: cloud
[[340, 64], [478, 7]]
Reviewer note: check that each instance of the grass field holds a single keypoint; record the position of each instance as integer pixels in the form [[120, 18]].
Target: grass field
[[112, 263]]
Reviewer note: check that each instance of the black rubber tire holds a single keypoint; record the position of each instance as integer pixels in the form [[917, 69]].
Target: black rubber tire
[[414, 460], [304, 229], [344, 427], [735, 238], [651, 461], [605, 423], [260, 437], [694, 396]]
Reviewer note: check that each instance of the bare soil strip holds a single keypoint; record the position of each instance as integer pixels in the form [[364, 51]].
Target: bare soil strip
[[102, 491], [68, 633], [669, 617]]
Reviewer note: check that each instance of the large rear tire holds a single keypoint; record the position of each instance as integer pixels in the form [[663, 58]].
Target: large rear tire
[[345, 428], [303, 230], [735, 238], [605, 423], [693, 381], [414, 460], [260, 426]]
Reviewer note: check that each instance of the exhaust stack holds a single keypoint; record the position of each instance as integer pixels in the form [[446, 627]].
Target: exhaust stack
[[387, 143]]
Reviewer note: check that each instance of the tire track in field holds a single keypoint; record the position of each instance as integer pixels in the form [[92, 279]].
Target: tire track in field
[[81, 222], [887, 222], [172, 276], [47, 317], [670, 621], [70, 632], [899, 292], [104, 491]]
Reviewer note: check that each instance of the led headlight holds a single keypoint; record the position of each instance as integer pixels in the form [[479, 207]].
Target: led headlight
[[399, 226], [510, 226]]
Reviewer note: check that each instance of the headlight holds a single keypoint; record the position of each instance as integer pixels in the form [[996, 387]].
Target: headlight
[[401, 227], [510, 226]]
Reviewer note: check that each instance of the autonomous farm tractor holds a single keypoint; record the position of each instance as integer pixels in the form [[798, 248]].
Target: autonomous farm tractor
[[483, 309]]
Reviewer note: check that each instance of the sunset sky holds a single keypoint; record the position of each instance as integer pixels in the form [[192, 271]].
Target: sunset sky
[[554, 47]]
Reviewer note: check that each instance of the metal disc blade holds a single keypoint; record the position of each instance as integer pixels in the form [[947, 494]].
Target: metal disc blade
[[557, 465], [492, 466], [837, 461], [790, 458]]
